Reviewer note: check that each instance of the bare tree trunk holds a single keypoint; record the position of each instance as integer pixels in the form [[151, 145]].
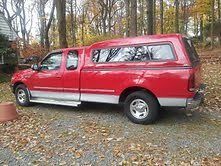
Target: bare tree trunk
[[195, 24], [219, 18], [61, 13], [127, 4], [22, 17], [141, 20], [197, 27], [119, 18], [73, 21], [53, 35], [133, 20], [185, 21], [161, 16], [104, 26], [109, 11], [218, 8], [47, 42], [154, 17], [150, 30], [42, 16], [4, 6], [201, 28], [176, 16], [82, 26], [212, 24], [104, 14]]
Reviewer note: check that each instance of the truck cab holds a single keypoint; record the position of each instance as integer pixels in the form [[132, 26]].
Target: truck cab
[[56, 76], [145, 73]]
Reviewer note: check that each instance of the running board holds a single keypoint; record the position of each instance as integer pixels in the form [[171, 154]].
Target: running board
[[56, 102]]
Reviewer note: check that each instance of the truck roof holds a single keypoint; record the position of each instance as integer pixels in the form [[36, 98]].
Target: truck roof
[[139, 39], [127, 40], [70, 48]]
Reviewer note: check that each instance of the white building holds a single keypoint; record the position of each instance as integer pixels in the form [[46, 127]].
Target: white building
[[7, 30]]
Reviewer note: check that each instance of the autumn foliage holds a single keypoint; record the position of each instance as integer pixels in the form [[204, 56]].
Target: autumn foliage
[[34, 49]]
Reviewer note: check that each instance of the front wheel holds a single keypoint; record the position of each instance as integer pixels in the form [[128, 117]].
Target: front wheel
[[141, 107], [21, 94]]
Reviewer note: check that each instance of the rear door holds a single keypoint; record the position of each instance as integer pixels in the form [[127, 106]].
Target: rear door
[[71, 75]]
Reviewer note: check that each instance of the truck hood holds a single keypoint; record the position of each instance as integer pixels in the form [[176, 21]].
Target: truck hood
[[21, 75]]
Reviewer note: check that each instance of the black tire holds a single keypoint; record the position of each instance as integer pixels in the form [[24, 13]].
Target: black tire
[[144, 99], [25, 101]]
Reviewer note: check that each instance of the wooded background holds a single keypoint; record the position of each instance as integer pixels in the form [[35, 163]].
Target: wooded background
[[44, 25]]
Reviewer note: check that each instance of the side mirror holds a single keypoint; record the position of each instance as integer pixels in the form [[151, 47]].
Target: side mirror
[[35, 67]]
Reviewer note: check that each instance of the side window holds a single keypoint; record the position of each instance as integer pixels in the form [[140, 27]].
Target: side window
[[52, 62], [122, 54], [72, 60], [161, 52], [142, 53], [101, 55], [114, 54], [134, 54], [96, 55]]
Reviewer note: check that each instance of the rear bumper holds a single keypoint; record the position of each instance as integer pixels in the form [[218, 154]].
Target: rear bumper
[[188, 103], [197, 100], [194, 102]]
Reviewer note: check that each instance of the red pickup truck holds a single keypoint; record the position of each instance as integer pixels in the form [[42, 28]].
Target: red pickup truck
[[145, 73]]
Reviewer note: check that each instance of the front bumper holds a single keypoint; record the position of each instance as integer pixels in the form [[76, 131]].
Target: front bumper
[[197, 100]]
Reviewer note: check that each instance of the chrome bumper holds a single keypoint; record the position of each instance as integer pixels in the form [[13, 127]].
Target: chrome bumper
[[197, 100]]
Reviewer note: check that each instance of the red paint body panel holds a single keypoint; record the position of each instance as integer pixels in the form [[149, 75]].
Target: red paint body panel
[[164, 79], [167, 79], [71, 78]]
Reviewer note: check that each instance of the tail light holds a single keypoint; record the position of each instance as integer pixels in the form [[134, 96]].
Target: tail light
[[191, 83]]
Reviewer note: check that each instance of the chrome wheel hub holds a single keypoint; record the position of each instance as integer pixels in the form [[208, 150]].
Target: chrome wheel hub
[[139, 108], [21, 96]]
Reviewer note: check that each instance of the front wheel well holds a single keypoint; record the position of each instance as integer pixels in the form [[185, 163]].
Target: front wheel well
[[16, 84], [130, 90]]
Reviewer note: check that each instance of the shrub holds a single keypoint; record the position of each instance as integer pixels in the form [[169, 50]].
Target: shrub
[[9, 68], [10, 58]]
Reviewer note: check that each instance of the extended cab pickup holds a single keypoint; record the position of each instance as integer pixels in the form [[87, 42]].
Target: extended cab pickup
[[145, 73]]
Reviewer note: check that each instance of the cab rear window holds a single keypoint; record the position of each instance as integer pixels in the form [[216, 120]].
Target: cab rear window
[[191, 51]]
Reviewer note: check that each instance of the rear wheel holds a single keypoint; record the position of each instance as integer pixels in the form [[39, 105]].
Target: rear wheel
[[141, 107], [21, 94]]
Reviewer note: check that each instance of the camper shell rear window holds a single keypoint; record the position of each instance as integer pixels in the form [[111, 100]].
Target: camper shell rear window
[[191, 51]]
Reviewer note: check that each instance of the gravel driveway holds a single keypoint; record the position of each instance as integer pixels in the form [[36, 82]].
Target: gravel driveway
[[99, 134]]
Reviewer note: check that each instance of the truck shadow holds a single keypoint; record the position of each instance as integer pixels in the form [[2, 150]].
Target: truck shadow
[[178, 115], [166, 116]]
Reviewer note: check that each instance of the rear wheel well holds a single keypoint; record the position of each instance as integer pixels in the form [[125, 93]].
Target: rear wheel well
[[130, 90]]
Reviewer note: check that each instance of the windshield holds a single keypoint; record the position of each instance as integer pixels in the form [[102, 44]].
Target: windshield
[[191, 51]]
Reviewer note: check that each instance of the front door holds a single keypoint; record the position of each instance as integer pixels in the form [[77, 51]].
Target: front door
[[48, 83]]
